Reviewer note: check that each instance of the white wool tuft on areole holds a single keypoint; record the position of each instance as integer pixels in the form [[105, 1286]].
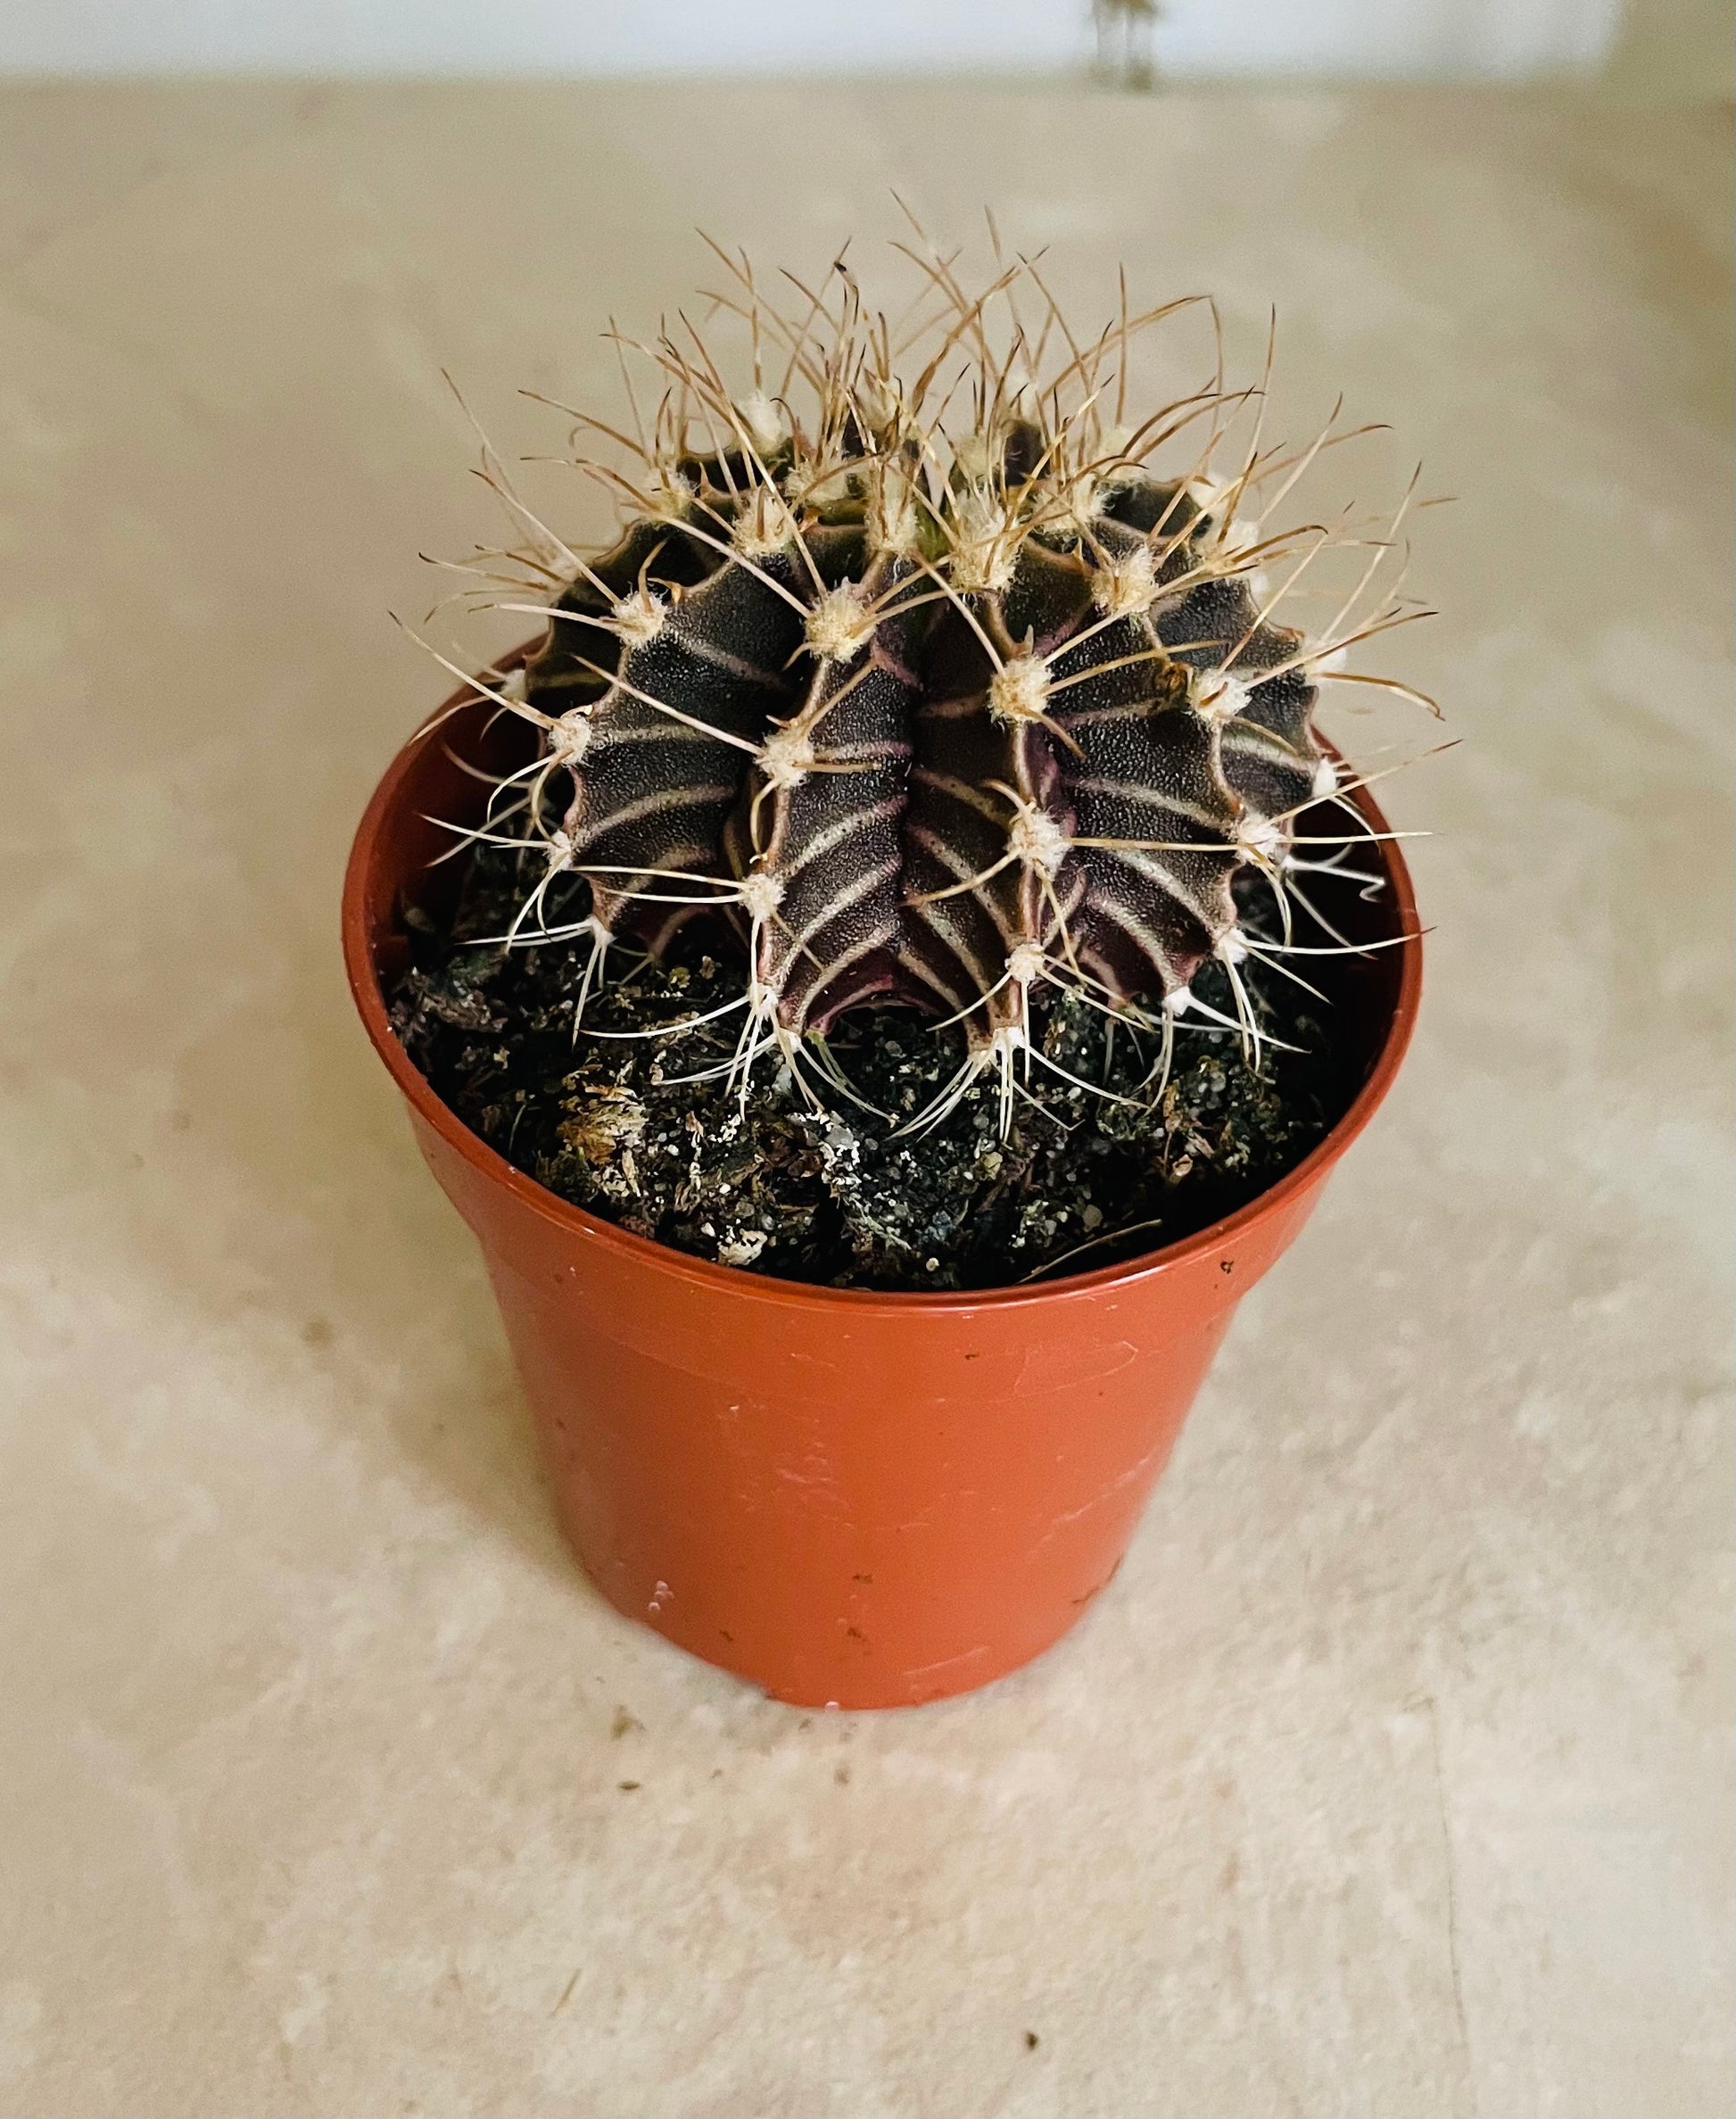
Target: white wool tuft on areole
[[673, 495], [1036, 841], [839, 625], [985, 539], [786, 757], [975, 457], [1121, 586], [1259, 837], [1222, 696], [569, 737], [1083, 501], [878, 399], [1019, 690], [1026, 963], [765, 421], [1120, 470], [817, 481], [640, 617], [759, 894], [764, 525], [893, 521]]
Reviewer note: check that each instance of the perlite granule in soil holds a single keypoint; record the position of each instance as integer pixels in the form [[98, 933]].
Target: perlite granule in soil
[[621, 1126]]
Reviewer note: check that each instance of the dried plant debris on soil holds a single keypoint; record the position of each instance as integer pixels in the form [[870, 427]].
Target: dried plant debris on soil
[[650, 1133]]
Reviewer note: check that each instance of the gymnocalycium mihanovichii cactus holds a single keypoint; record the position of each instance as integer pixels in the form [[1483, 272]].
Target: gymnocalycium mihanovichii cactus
[[946, 709]]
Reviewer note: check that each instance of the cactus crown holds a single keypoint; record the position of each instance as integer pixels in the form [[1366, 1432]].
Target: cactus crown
[[908, 666]]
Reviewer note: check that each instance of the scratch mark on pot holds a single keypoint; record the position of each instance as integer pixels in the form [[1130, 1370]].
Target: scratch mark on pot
[[815, 1361], [1056, 1366], [950, 1662], [1147, 1465]]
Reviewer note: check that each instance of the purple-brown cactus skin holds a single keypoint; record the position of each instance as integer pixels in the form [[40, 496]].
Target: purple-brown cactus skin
[[949, 724]]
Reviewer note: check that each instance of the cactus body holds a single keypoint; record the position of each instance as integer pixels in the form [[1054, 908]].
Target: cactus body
[[945, 725]]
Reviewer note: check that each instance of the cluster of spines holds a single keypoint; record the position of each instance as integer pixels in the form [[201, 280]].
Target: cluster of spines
[[937, 722]]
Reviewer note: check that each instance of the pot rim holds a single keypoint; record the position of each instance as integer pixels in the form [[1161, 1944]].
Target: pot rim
[[722, 1279]]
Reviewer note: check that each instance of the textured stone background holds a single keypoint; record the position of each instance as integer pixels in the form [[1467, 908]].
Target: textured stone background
[[1392, 1776]]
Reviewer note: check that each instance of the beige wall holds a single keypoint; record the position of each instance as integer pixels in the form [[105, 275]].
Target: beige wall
[[1670, 48], [1662, 49], [1370, 39]]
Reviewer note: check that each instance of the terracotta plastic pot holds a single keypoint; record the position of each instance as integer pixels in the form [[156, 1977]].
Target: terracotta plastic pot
[[851, 1499]]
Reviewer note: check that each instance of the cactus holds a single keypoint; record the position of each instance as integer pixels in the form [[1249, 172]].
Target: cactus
[[951, 721]]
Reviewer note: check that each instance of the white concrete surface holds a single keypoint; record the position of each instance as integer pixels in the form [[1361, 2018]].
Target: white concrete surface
[[1393, 1775]]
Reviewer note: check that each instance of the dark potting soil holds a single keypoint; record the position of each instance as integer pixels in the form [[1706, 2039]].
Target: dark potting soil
[[835, 1196]]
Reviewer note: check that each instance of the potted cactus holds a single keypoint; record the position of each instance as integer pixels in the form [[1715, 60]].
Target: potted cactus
[[811, 960]]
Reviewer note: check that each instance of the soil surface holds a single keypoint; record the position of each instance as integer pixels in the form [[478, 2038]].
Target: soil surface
[[649, 1132]]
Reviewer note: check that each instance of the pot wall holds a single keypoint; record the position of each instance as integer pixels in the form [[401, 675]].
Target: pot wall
[[858, 1504], [848, 1499]]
